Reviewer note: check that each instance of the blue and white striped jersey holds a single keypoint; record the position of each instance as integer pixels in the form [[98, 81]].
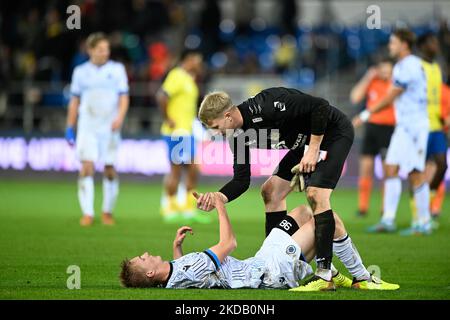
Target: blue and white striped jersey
[[203, 270]]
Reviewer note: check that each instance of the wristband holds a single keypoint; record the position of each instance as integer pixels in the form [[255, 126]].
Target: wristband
[[365, 115]]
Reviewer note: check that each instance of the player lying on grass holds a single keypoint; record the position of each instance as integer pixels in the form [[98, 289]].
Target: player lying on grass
[[281, 262]]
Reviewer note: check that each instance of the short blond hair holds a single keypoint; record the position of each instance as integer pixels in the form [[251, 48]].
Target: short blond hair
[[133, 277], [94, 38], [214, 105]]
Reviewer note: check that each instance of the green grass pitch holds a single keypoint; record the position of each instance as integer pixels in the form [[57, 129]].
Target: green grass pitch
[[40, 237]]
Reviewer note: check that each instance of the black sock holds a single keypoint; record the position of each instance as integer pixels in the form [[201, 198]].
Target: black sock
[[288, 225], [274, 218], [324, 233]]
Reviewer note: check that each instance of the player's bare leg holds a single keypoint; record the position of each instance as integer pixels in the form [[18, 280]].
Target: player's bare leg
[[192, 172], [319, 200], [86, 192], [366, 165], [421, 223], [274, 192], [190, 205], [392, 194], [171, 210], [110, 193], [342, 247], [435, 181]]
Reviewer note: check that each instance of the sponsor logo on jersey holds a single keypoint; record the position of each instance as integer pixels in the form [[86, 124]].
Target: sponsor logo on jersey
[[186, 268], [300, 142], [255, 120], [281, 106]]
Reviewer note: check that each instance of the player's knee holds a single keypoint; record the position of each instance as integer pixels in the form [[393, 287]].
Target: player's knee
[[391, 172], [87, 169], [171, 186], [312, 195], [417, 178], [339, 225], [301, 214], [109, 172], [441, 163], [266, 192], [191, 180]]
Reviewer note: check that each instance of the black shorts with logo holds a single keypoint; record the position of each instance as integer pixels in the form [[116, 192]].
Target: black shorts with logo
[[327, 172], [376, 139]]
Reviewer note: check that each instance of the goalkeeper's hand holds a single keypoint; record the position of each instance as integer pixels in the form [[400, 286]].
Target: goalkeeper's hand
[[298, 181], [70, 136]]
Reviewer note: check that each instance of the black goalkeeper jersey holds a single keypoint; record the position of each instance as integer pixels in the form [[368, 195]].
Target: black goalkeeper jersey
[[289, 117]]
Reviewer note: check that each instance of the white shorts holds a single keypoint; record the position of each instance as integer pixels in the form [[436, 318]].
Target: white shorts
[[97, 146], [281, 255], [408, 149]]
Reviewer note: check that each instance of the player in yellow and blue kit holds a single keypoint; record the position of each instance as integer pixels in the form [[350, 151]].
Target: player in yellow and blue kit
[[437, 140], [178, 99]]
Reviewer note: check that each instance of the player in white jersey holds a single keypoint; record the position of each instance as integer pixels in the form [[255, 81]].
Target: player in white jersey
[[407, 149], [100, 101], [281, 262]]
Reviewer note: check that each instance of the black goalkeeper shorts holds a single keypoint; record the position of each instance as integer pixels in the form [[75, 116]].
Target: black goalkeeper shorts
[[376, 139], [327, 172]]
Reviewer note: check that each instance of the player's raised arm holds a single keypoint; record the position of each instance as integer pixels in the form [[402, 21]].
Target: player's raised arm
[[359, 91], [227, 241], [393, 92], [399, 85], [178, 241]]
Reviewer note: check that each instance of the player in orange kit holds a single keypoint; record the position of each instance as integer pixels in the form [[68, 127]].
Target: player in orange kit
[[378, 131]]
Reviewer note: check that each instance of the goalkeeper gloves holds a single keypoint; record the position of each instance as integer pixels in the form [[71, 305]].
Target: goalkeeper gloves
[[298, 180], [70, 136]]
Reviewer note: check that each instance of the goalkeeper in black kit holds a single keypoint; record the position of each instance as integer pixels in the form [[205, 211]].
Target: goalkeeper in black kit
[[319, 138]]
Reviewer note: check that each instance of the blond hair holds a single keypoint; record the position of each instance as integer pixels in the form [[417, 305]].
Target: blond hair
[[214, 105], [132, 277], [94, 39]]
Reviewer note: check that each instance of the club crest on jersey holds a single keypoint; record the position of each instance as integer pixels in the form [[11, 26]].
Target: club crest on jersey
[[291, 249], [281, 106]]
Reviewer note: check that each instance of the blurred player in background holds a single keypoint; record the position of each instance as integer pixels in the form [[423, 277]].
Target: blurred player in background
[[439, 118], [378, 130], [178, 100], [408, 146], [100, 100]]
